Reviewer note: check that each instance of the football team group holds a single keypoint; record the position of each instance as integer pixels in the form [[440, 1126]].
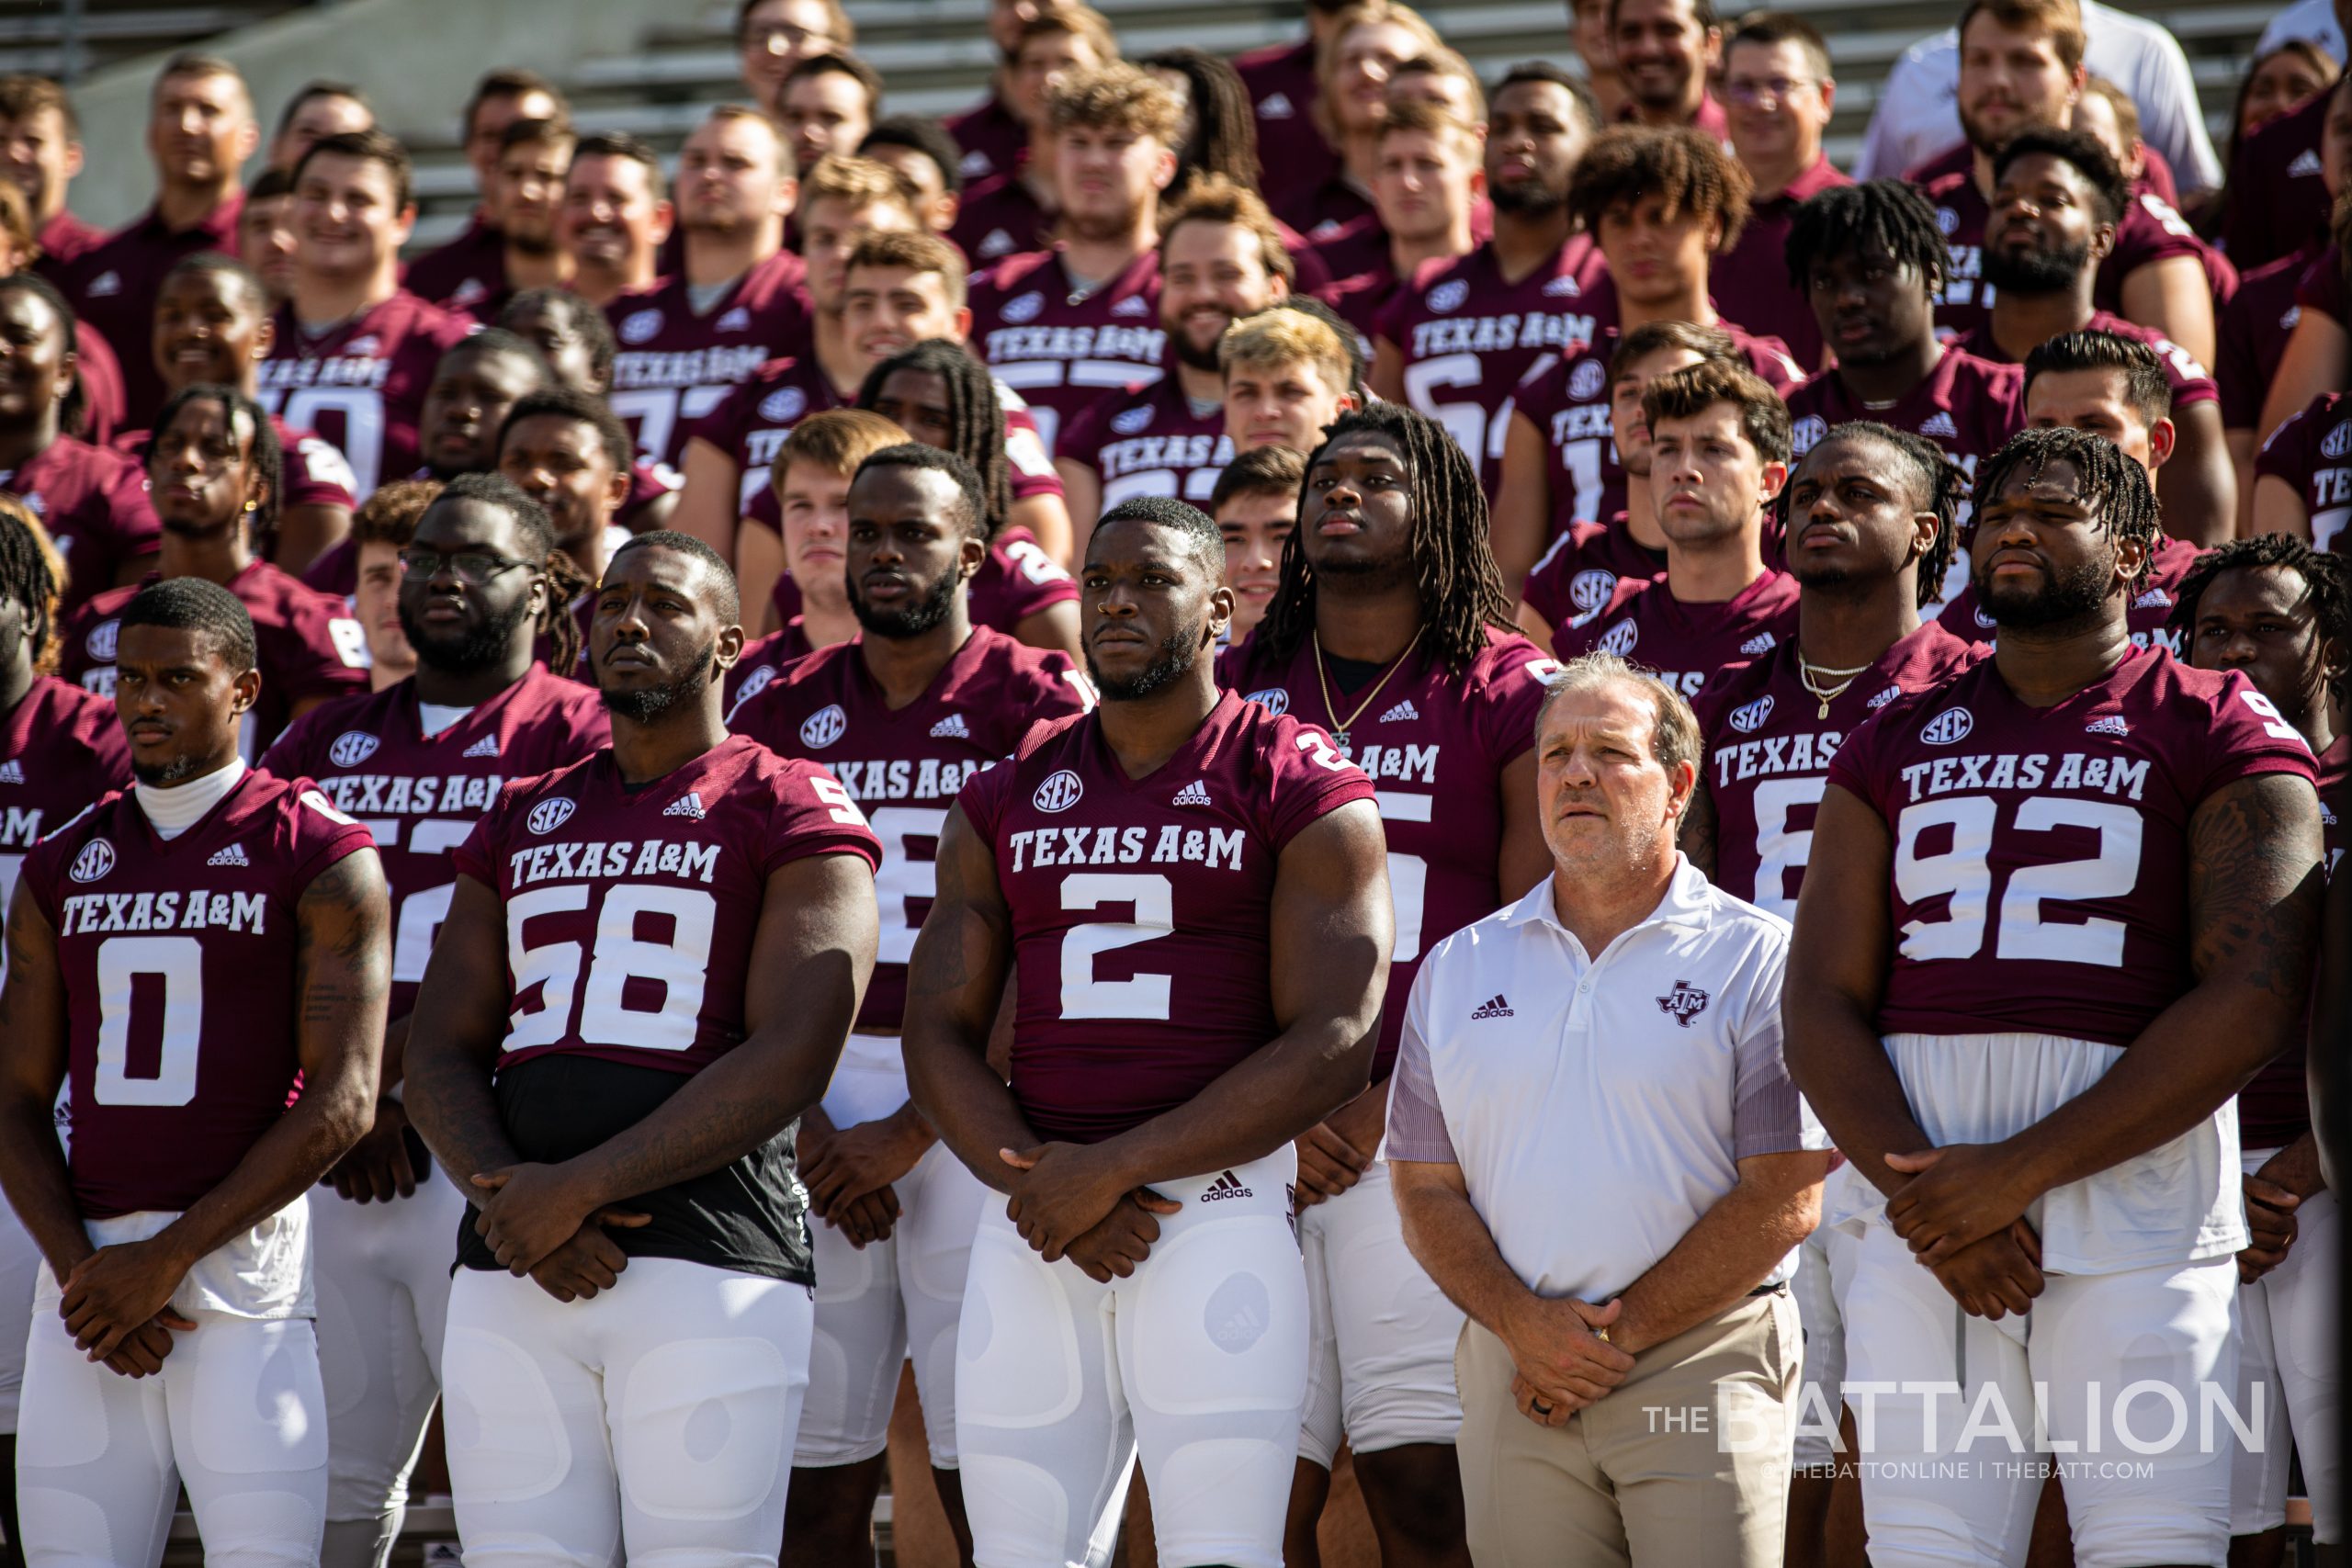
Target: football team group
[[1336, 813]]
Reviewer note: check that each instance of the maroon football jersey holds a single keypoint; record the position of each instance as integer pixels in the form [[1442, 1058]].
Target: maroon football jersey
[[1469, 337], [1965, 406], [2148, 617], [420, 795], [1750, 281], [305, 644], [95, 504], [2279, 201], [361, 384], [2040, 881], [990, 135], [1001, 217], [2188, 379], [1688, 645], [2312, 452], [1058, 349], [1769, 745], [674, 366], [655, 892], [1434, 745], [114, 283], [1325, 207], [60, 750], [1149, 440], [763, 658], [2275, 1109], [464, 271], [752, 420], [905, 768], [1282, 89], [1120, 889], [2150, 230], [1581, 570], [1567, 401], [104, 399], [182, 983], [2253, 330]]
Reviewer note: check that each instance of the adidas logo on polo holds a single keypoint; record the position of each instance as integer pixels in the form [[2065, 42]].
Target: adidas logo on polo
[[12, 771], [1403, 713], [952, 728], [233, 855], [2113, 724], [1498, 1007], [688, 804], [1193, 793], [1939, 424], [485, 747], [1225, 1186]]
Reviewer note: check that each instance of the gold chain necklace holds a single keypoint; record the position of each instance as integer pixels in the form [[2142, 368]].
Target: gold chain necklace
[[1340, 727], [1826, 695]]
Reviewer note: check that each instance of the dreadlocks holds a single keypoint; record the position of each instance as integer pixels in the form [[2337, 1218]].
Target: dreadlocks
[[1462, 590], [975, 418], [2117, 486], [1225, 130], [2326, 589], [1939, 483], [265, 455], [566, 581], [32, 574], [1880, 218]]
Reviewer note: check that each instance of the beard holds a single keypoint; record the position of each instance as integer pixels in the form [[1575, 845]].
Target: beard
[[1101, 225], [1176, 657], [470, 650], [916, 619], [540, 246], [2066, 595], [649, 703], [1526, 198], [162, 775], [1189, 353], [2036, 271]]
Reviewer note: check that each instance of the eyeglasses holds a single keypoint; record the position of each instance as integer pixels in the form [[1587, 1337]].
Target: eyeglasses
[[472, 567], [1776, 89], [782, 38]]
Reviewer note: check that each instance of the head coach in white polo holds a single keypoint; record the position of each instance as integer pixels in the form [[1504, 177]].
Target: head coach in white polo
[[1599, 1156]]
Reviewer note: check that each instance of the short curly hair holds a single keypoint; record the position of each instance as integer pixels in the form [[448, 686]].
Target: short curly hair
[[1689, 168], [1117, 96]]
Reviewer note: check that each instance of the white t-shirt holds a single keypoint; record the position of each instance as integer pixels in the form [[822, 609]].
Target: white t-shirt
[[1918, 114]]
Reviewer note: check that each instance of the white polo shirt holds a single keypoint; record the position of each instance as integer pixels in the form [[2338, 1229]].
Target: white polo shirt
[[1598, 1106]]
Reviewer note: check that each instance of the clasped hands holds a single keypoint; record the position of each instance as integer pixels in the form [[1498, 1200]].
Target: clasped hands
[[1071, 1201], [1963, 1214]]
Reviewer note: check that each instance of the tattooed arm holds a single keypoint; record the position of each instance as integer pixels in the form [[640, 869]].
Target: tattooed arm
[[2253, 907], [32, 1069], [453, 1034], [955, 982], [343, 975]]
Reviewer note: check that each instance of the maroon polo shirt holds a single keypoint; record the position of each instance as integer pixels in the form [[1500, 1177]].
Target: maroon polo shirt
[[1750, 281], [990, 135], [474, 264], [113, 287]]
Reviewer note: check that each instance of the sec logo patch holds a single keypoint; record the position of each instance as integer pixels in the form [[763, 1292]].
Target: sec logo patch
[[1060, 793], [549, 815], [94, 861], [824, 727]]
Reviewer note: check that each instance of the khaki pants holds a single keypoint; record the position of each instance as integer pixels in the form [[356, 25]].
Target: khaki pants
[[1652, 1474]]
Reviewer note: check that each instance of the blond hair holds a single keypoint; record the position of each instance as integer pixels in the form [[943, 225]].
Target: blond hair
[[1283, 337], [917, 249], [836, 441], [1117, 96]]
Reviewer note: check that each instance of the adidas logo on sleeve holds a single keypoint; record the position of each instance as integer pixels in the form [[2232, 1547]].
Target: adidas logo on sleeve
[[1496, 1008]]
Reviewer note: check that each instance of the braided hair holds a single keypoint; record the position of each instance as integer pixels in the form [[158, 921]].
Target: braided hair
[[2127, 511], [2325, 589], [1940, 483], [975, 418], [32, 574], [265, 454], [1225, 130], [76, 402], [566, 581], [1885, 218], [1460, 588]]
